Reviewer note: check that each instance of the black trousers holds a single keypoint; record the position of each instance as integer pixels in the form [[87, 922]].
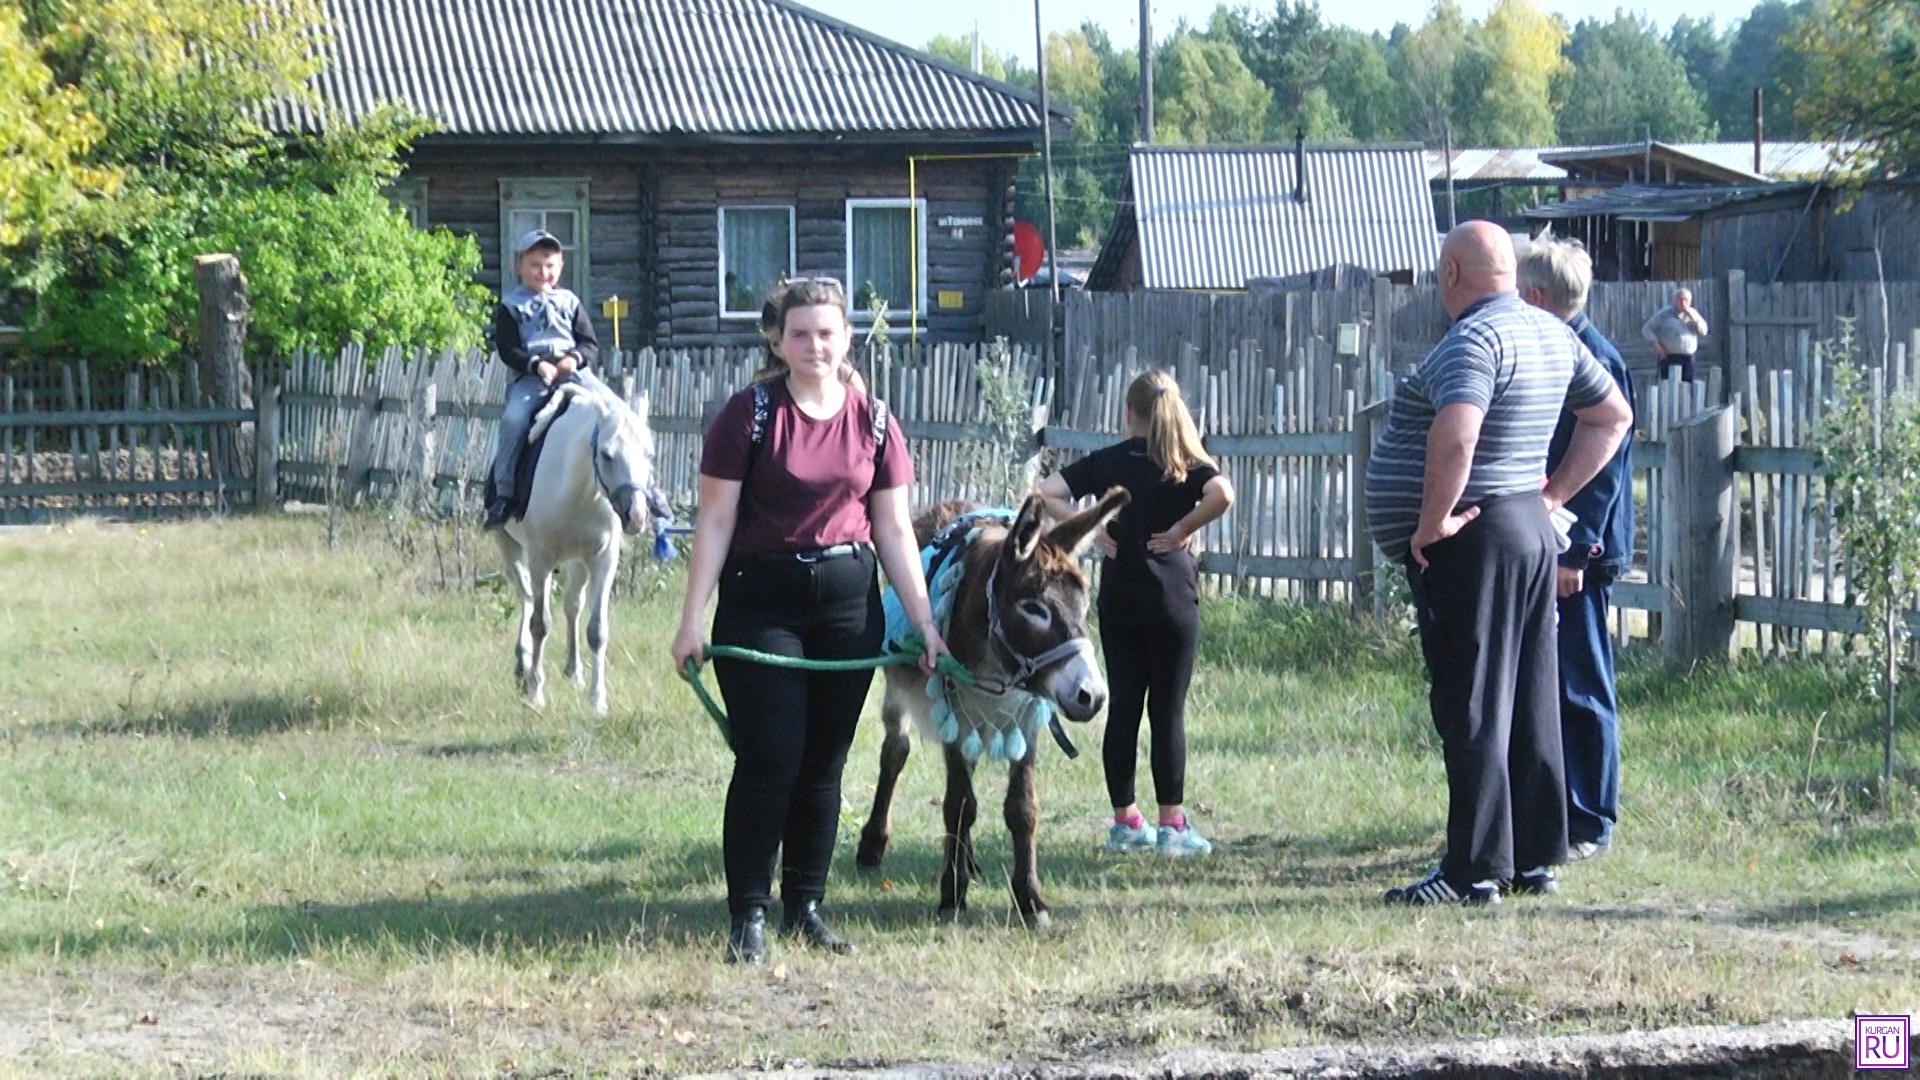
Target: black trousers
[[1683, 362], [1149, 665], [1486, 612], [791, 729]]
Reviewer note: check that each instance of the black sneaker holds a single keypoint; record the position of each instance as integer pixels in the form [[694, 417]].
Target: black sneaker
[[1436, 889], [1539, 881], [497, 512]]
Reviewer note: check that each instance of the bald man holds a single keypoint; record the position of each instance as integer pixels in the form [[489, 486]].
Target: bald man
[[1675, 332], [1454, 491]]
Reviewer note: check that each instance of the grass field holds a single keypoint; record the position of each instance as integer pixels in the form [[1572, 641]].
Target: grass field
[[270, 807]]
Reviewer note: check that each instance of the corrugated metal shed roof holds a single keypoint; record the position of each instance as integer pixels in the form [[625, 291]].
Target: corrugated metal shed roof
[[1636, 203], [1211, 218], [1778, 160], [645, 69]]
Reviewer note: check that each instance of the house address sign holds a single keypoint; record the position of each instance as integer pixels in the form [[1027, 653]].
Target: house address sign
[[958, 224]]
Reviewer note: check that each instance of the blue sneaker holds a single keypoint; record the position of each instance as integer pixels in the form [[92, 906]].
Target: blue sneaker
[[1122, 838], [1180, 840]]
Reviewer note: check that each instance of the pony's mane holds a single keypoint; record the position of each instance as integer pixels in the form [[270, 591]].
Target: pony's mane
[[544, 418]]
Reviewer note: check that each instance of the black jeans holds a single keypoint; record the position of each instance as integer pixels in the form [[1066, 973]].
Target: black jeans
[[1486, 608], [1683, 362], [1149, 665], [791, 729]]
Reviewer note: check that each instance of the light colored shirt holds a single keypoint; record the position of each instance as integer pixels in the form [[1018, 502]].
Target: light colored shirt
[[1676, 334], [1515, 363]]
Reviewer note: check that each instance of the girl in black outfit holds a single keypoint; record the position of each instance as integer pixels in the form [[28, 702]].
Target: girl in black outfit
[[1149, 599], [799, 485]]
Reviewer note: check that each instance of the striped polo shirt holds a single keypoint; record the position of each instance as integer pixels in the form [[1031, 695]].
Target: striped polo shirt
[[1517, 364]]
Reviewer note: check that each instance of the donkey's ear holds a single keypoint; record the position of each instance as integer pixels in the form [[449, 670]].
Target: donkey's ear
[[1076, 532], [1024, 536]]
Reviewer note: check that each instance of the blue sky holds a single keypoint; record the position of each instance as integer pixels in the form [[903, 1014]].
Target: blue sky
[[1007, 25]]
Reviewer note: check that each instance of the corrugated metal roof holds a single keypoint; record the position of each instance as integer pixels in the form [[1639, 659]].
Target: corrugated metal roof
[[1636, 203], [1778, 160], [646, 68], [1212, 218]]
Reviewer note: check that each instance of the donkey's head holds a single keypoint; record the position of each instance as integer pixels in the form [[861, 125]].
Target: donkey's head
[[1038, 605]]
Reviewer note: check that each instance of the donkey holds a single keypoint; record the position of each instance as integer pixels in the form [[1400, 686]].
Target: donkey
[[586, 493], [1019, 623]]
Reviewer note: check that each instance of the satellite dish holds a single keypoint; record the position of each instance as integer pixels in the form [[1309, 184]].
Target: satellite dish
[[1028, 250]]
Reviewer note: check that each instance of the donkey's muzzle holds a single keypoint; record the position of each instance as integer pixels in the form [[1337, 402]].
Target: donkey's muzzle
[[1078, 690], [1089, 697]]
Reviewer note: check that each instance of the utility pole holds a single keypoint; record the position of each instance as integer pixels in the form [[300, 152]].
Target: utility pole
[[1046, 154], [1146, 71], [1453, 216]]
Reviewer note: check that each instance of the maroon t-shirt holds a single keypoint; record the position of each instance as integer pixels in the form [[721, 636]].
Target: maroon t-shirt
[[810, 480]]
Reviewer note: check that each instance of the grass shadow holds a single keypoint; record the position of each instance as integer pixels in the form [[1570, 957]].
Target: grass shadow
[[241, 716]]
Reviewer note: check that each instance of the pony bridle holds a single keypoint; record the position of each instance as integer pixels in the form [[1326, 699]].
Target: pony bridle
[[631, 491]]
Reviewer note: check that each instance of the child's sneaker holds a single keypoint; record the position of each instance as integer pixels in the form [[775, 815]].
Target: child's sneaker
[[1180, 840], [1123, 837]]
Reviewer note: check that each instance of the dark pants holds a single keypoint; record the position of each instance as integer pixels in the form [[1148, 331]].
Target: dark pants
[[1485, 606], [791, 729], [1589, 712], [1683, 362], [1149, 664]]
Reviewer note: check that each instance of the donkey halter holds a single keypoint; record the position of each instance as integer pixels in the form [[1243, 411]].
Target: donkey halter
[[1025, 667]]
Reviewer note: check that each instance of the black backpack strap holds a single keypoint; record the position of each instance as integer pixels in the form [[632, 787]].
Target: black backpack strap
[[762, 408]]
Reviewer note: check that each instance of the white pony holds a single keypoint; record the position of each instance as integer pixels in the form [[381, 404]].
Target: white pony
[[587, 490]]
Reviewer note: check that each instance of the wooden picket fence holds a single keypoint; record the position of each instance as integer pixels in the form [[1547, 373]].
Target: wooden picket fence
[[1292, 428]]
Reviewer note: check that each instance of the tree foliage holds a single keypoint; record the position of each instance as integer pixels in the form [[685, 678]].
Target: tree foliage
[[1863, 80], [173, 153], [1622, 72]]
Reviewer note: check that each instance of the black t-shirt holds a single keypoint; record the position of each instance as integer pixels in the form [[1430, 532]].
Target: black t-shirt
[[1156, 505]]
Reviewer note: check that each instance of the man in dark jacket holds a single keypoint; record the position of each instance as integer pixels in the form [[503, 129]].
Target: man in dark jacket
[[1555, 276]]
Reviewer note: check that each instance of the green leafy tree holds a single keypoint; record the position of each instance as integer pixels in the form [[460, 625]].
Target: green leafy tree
[[1623, 81], [1426, 60], [176, 101], [1863, 81], [1210, 96], [1359, 86], [45, 177], [1522, 47], [1702, 50], [1869, 444], [1762, 52]]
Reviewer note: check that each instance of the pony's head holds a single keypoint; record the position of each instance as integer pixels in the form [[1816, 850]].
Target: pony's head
[[623, 459], [1038, 605]]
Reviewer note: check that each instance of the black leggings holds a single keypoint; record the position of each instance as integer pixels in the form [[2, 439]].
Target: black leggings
[[791, 729], [1149, 664]]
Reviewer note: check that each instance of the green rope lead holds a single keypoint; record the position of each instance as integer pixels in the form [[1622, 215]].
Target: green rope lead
[[946, 665]]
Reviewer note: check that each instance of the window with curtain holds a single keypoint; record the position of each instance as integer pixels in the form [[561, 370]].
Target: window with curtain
[[883, 251], [558, 206], [756, 253]]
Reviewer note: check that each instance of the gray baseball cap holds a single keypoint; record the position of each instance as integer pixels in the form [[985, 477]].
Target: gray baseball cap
[[533, 238]]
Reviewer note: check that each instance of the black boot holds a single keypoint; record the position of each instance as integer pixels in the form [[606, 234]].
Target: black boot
[[804, 922], [747, 940], [497, 512]]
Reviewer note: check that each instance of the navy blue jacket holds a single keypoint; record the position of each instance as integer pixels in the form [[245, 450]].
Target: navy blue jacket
[[1603, 537]]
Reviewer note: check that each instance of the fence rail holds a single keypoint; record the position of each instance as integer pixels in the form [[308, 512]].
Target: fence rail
[[1291, 427]]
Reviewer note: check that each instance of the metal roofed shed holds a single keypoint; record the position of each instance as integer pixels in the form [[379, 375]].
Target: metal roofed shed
[[1214, 218]]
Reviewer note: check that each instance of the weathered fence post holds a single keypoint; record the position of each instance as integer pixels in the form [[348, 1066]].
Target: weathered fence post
[[266, 444], [360, 444], [223, 340], [1702, 538]]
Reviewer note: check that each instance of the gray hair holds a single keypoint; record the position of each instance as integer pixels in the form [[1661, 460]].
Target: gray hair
[[1561, 270]]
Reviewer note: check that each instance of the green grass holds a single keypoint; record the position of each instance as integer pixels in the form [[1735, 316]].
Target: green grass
[[284, 803]]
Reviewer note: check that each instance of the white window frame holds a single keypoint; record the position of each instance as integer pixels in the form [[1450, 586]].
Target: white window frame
[[548, 193], [409, 193], [793, 250], [919, 208]]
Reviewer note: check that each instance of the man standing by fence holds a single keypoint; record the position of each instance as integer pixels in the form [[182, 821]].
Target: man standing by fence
[[1454, 491], [1675, 332], [1555, 276]]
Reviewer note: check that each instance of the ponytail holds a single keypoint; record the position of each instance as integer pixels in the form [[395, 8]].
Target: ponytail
[[1173, 443]]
